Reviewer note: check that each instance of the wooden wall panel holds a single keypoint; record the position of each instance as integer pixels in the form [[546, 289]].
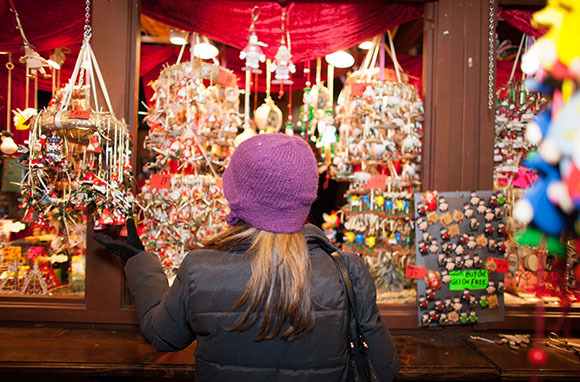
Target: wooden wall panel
[[458, 145]]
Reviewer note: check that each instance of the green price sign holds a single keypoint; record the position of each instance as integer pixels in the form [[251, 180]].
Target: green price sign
[[460, 280]]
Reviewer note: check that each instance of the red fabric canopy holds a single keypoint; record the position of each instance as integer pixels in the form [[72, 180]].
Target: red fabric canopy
[[47, 24], [520, 19], [316, 29]]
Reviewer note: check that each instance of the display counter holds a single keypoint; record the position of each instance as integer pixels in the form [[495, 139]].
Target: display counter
[[67, 353]]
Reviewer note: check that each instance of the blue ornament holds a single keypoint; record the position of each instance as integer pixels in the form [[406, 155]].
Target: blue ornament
[[365, 200], [398, 236], [547, 217]]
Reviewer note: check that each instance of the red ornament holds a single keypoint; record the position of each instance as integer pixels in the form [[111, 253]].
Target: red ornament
[[95, 144], [430, 199], [106, 216], [124, 232], [538, 356], [29, 216]]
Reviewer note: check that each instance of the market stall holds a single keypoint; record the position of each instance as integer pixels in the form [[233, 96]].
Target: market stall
[[384, 132]]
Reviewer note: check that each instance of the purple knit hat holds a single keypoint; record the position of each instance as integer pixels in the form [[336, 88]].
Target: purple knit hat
[[271, 182]]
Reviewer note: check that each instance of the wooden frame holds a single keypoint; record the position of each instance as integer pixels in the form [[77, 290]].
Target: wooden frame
[[115, 41]]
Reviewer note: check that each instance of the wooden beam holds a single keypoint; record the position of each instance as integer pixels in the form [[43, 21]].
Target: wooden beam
[[116, 45], [459, 131]]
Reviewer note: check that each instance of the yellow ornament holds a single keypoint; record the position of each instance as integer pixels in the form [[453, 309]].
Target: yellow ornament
[[562, 19], [268, 117], [380, 200], [22, 118], [371, 241], [349, 236], [401, 205]]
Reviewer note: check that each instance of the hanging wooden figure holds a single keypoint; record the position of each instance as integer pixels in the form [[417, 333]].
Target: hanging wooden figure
[[282, 64], [253, 53]]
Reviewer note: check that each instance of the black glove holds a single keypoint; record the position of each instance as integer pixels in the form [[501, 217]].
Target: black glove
[[124, 249]]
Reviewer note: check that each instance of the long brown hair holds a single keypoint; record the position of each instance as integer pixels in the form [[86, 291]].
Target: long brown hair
[[279, 286]]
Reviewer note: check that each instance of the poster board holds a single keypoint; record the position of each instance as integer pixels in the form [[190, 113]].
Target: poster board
[[459, 240]]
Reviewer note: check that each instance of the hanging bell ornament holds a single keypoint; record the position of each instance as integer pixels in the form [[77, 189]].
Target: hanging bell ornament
[[268, 117], [29, 216], [106, 216], [95, 144]]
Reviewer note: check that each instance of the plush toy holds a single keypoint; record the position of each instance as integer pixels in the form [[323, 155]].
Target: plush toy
[[535, 206]]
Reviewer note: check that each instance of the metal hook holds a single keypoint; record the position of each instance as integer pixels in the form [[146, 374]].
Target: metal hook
[[254, 16]]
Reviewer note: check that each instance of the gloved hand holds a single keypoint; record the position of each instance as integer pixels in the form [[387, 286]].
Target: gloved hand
[[124, 249]]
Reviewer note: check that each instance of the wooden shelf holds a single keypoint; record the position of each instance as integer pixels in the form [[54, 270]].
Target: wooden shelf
[[379, 213]]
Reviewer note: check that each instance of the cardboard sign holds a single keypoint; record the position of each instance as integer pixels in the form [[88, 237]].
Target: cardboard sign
[[11, 253], [34, 252], [226, 77], [357, 89], [499, 265], [377, 182], [415, 272], [160, 181], [79, 114], [472, 280]]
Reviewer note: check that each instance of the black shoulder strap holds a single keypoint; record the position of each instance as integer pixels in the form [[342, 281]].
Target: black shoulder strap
[[342, 271], [345, 278]]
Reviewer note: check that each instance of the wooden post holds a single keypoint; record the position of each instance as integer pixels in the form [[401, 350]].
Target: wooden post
[[116, 43]]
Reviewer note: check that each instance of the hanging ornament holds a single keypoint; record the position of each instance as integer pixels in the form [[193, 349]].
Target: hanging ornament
[[253, 53], [95, 144], [268, 116], [282, 64], [68, 170]]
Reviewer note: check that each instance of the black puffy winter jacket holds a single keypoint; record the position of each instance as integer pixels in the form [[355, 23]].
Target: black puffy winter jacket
[[208, 284]]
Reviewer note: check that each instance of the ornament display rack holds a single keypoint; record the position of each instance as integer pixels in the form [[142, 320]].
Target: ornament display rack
[[378, 151], [192, 126], [516, 109]]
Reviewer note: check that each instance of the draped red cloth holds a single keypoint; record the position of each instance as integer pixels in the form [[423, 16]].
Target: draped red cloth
[[520, 19], [316, 29], [47, 24]]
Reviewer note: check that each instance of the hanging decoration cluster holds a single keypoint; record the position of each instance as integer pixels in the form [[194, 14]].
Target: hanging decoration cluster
[[78, 155], [192, 127], [516, 107]]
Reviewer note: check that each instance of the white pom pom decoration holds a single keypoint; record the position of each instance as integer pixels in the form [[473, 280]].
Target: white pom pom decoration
[[531, 60], [523, 211], [533, 133], [550, 151], [559, 196]]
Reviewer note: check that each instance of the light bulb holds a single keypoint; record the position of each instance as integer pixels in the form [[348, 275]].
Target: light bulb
[[205, 51], [366, 45], [340, 59], [177, 37]]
